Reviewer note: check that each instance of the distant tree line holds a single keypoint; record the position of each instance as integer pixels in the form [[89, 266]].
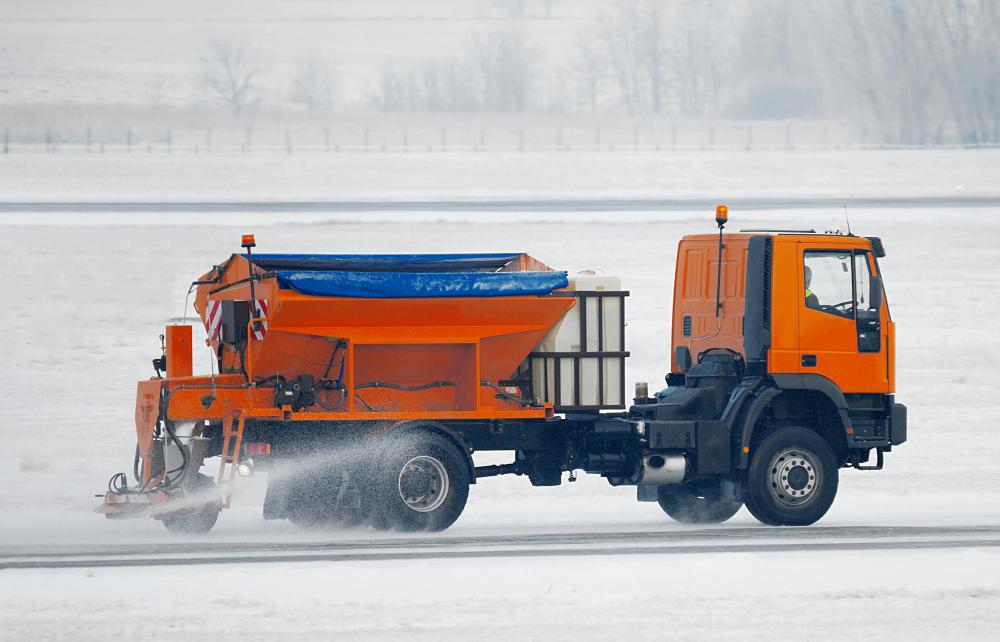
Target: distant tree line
[[910, 72]]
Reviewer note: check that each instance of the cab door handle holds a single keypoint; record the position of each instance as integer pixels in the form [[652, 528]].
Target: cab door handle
[[808, 361]]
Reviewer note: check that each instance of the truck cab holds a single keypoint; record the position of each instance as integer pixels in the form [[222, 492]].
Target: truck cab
[[826, 312], [782, 343]]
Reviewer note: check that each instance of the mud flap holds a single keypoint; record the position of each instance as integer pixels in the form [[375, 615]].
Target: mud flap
[[276, 500]]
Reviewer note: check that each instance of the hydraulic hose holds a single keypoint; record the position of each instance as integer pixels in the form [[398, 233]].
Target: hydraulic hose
[[167, 482], [441, 384], [504, 394], [396, 386], [135, 465], [336, 406]]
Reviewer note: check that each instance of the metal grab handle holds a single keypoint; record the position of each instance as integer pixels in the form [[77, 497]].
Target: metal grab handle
[[249, 355]]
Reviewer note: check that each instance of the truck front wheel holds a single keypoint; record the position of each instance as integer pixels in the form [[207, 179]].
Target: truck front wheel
[[423, 484], [792, 479], [696, 503]]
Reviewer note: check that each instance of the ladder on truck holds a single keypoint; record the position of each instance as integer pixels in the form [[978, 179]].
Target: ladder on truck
[[232, 444]]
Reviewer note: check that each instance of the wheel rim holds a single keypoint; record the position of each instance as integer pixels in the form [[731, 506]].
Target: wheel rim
[[794, 477], [423, 484]]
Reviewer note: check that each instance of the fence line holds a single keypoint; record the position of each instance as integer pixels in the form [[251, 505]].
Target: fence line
[[421, 138]]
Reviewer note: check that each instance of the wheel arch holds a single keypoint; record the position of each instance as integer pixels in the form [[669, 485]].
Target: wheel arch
[[810, 400]]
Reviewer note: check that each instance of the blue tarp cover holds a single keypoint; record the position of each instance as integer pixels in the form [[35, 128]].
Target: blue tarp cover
[[396, 276], [400, 285]]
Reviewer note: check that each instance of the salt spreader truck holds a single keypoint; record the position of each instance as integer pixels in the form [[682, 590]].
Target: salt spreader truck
[[363, 384]]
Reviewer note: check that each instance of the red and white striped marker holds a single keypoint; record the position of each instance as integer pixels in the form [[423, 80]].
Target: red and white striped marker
[[261, 329], [213, 320]]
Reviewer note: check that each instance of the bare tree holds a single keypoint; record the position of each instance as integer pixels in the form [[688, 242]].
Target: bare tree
[[888, 60], [390, 94], [636, 48], [515, 9], [588, 69], [772, 60], [230, 76], [314, 85], [705, 53], [506, 70], [621, 35], [969, 54]]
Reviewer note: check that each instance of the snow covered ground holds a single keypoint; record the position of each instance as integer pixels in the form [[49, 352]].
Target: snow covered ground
[[931, 595], [461, 175], [86, 297]]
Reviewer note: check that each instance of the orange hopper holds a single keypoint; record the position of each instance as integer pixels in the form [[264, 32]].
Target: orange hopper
[[393, 336]]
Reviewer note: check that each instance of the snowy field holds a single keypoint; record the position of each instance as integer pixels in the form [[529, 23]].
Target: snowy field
[[88, 295], [948, 595], [460, 175]]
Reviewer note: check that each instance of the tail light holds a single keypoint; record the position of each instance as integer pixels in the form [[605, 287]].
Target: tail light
[[257, 449]]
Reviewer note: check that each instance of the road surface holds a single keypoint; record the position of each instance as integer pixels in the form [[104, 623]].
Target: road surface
[[503, 205], [425, 547]]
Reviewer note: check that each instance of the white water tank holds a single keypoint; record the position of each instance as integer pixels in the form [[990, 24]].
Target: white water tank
[[587, 379]]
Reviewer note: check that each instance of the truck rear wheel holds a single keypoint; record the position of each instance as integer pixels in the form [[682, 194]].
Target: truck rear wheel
[[696, 503], [793, 477], [423, 484], [200, 518]]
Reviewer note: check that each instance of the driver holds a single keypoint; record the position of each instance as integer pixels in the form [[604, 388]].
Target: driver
[[812, 300]]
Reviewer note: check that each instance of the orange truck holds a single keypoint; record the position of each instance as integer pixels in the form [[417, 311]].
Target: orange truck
[[363, 384]]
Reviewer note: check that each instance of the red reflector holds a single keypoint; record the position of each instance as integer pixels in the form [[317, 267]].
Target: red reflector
[[258, 449]]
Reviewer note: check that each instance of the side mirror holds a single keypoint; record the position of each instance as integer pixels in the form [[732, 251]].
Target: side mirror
[[876, 293]]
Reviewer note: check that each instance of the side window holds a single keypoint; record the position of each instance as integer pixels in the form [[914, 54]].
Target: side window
[[863, 286], [829, 284]]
